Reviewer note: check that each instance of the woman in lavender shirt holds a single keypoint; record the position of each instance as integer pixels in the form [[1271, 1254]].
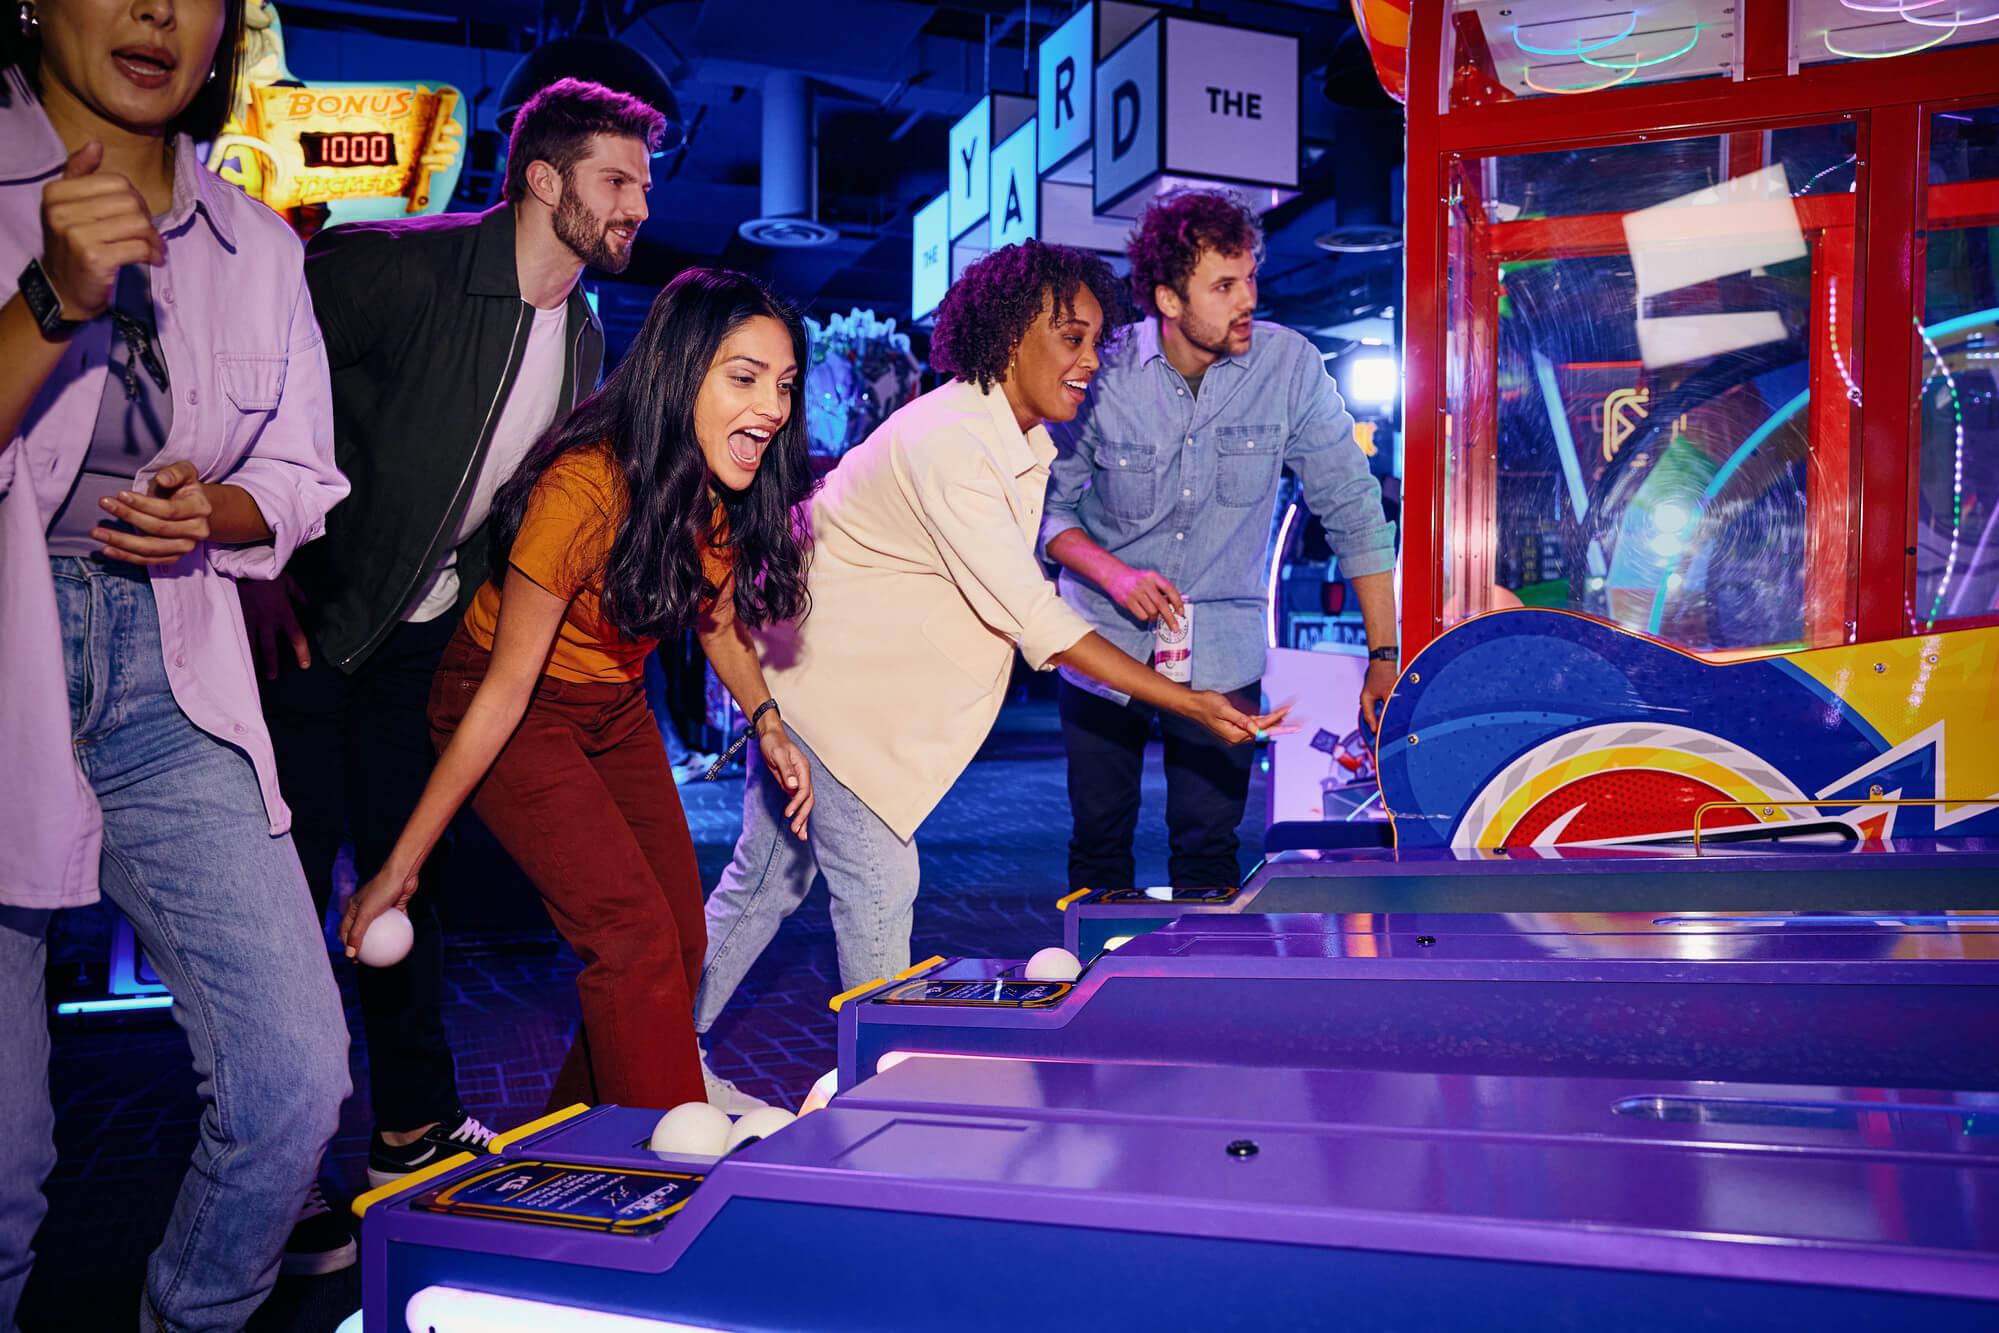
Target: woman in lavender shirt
[[164, 430]]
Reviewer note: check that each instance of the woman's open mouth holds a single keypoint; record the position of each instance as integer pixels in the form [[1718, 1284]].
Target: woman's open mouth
[[746, 446], [148, 67]]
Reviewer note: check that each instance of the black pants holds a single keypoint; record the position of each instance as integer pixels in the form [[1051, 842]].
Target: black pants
[[353, 754], [1206, 785]]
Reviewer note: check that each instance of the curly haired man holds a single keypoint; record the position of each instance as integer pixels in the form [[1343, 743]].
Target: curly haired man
[[1164, 503]]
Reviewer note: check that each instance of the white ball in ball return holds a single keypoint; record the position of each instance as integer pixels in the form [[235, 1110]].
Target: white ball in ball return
[[1053, 965], [821, 1093], [387, 939], [692, 1129], [758, 1125]]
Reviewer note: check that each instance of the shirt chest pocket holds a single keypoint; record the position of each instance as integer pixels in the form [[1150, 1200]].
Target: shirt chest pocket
[[1127, 479], [1246, 461], [252, 384]]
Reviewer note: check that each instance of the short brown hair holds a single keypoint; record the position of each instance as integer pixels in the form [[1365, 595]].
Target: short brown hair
[[1167, 243], [557, 124]]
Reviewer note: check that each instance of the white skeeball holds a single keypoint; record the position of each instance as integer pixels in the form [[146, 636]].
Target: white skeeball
[[692, 1129], [821, 1093], [387, 939], [758, 1125], [1054, 965]]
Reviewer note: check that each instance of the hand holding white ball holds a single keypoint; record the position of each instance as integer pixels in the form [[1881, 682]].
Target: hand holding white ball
[[387, 940]]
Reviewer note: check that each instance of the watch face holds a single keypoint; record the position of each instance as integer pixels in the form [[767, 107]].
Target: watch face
[[43, 303]]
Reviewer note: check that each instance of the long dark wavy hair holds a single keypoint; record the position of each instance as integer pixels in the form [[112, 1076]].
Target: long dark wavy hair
[[653, 585]]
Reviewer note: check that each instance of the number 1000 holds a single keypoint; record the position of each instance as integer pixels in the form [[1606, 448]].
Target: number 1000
[[365, 149]]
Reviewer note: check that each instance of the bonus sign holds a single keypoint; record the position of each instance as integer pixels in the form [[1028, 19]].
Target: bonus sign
[[374, 149], [351, 142]]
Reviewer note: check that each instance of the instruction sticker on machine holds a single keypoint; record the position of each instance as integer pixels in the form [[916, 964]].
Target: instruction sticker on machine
[[624, 1201], [1212, 895], [984, 994]]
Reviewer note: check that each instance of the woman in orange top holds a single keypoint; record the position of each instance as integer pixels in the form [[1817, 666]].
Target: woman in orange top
[[664, 500]]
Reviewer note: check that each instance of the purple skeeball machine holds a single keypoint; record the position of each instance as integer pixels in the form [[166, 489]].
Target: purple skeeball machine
[[1899, 875], [1815, 998], [981, 1194]]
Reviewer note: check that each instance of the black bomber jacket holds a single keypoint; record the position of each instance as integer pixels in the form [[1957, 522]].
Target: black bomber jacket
[[425, 331]]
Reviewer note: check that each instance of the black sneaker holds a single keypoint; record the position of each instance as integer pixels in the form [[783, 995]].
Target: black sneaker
[[386, 1163], [320, 1243]]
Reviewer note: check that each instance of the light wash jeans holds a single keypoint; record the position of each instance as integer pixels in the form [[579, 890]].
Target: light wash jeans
[[222, 910], [870, 873]]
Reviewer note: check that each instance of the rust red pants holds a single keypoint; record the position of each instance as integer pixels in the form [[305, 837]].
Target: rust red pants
[[583, 799]]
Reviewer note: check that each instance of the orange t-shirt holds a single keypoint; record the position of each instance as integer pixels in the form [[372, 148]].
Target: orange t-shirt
[[564, 545]]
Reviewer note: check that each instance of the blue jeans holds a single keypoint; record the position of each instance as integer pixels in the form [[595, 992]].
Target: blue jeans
[[870, 873], [222, 910]]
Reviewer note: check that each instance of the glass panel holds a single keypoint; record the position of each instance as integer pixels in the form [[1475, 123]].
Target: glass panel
[[1634, 344], [1824, 31], [1501, 50], [1957, 351]]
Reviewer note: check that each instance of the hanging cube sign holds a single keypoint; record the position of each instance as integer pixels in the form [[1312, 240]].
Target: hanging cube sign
[[994, 117], [1015, 199], [930, 274], [1065, 65], [1184, 102]]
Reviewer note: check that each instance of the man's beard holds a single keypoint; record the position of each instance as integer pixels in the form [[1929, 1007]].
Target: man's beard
[[584, 232], [1216, 341]]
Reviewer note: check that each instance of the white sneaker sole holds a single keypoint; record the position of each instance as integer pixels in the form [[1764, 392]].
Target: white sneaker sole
[[318, 1265]]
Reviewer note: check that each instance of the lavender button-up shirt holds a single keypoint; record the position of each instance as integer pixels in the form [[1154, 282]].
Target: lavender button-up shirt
[[252, 407]]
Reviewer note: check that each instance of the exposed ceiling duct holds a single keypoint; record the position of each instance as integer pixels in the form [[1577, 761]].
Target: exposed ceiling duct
[[789, 182]]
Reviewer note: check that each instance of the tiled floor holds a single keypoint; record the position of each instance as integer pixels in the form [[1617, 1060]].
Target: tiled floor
[[993, 857]]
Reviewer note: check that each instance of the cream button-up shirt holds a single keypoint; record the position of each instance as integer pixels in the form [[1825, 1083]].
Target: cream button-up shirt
[[924, 581]]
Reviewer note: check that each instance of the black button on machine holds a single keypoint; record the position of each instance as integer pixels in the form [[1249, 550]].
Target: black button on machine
[[1242, 1149]]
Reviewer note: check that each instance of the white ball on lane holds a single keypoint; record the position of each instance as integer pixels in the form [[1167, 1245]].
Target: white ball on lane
[[692, 1129], [758, 1125], [1054, 965], [387, 940]]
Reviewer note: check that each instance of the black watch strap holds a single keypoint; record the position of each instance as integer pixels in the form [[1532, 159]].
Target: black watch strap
[[1388, 652], [44, 304], [736, 745]]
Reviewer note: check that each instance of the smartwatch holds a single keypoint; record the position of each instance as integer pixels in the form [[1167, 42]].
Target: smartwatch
[[1388, 652], [44, 304]]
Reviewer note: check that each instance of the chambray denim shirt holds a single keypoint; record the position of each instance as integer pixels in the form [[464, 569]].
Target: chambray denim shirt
[[1187, 486]]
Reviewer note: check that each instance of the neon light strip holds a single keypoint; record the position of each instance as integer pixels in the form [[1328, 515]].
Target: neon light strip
[[457, 1310], [1957, 472], [1527, 77], [1959, 21], [1277, 563], [1940, 38], [1646, 64], [1889, 8], [1832, 321], [1565, 442], [115, 1006], [1630, 25]]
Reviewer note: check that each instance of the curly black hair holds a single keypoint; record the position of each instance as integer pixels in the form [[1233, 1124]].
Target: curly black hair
[[1167, 242], [992, 306]]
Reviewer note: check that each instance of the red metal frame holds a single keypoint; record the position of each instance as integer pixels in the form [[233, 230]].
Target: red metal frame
[[1865, 503]]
